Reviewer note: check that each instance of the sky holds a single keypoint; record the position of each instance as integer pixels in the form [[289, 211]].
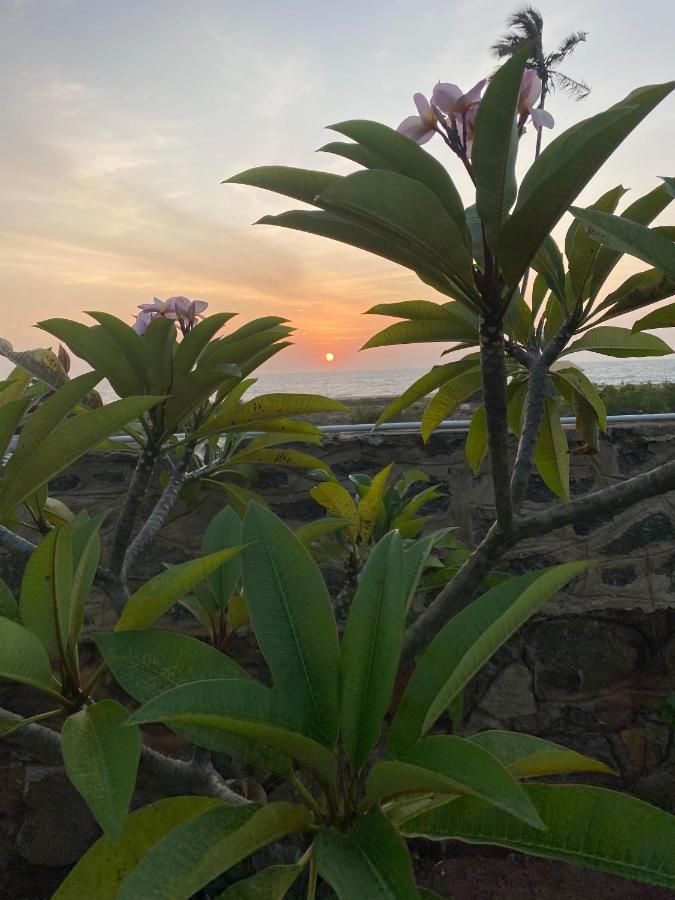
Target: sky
[[122, 119]]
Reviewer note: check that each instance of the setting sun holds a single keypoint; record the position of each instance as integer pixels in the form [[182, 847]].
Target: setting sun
[[329, 357]]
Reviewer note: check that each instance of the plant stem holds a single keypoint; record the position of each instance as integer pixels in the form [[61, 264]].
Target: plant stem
[[158, 516], [306, 795], [493, 377], [129, 512], [312, 879]]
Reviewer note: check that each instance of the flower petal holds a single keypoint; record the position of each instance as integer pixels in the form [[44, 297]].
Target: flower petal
[[530, 90], [542, 117], [414, 128], [473, 96], [446, 97]]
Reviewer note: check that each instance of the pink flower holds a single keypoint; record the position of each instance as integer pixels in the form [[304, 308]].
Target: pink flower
[[187, 311], [530, 92], [181, 310], [144, 318], [460, 108], [420, 128]]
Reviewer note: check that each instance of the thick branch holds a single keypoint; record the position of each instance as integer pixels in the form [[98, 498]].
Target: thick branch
[[458, 593], [158, 516], [14, 543], [611, 500], [536, 392], [163, 774], [493, 376], [129, 512]]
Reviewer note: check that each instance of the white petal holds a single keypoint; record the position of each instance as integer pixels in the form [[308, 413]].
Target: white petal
[[542, 117]]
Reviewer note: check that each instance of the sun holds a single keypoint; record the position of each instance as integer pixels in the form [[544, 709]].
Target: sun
[[329, 357]]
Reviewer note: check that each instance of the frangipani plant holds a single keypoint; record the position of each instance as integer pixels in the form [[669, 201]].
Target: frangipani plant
[[358, 786], [197, 426], [404, 206]]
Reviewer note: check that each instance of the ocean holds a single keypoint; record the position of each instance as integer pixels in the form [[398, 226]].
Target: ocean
[[391, 382]]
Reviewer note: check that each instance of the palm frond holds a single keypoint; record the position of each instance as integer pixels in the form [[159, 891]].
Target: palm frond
[[579, 90], [567, 46]]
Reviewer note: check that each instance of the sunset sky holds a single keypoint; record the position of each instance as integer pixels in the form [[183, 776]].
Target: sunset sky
[[120, 120]]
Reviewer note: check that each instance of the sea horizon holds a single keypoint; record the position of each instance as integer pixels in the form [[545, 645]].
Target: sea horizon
[[362, 384]]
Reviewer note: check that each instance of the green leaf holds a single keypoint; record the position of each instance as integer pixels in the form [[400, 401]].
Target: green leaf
[[495, 146], [639, 290], [354, 152], [664, 317], [585, 825], [369, 861], [584, 386], [86, 543], [101, 870], [394, 204], [293, 620], [224, 531], [158, 595], [194, 342], [280, 457], [429, 382], [47, 451], [552, 455], [148, 663], [624, 236], [101, 757], [346, 232], [242, 708], [370, 504], [10, 416], [465, 644], [300, 184], [192, 390], [415, 557], [9, 608], [271, 884], [23, 658], [14, 386], [95, 346], [313, 531], [46, 591], [130, 344], [404, 156], [643, 210], [476, 440], [580, 248], [526, 756], [448, 398], [563, 170], [266, 407], [422, 332], [621, 342], [445, 764], [371, 646], [202, 848]]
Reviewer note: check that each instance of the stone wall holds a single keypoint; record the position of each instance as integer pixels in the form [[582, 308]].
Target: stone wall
[[589, 671]]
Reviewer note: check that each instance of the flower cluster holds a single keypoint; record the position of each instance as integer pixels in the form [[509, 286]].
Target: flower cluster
[[452, 114], [181, 310]]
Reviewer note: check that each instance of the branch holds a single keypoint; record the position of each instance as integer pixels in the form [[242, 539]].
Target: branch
[[14, 543], [163, 774], [159, 514], [456, 594], [493, 376], [536, 392], [612, 500], [129, 512]]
